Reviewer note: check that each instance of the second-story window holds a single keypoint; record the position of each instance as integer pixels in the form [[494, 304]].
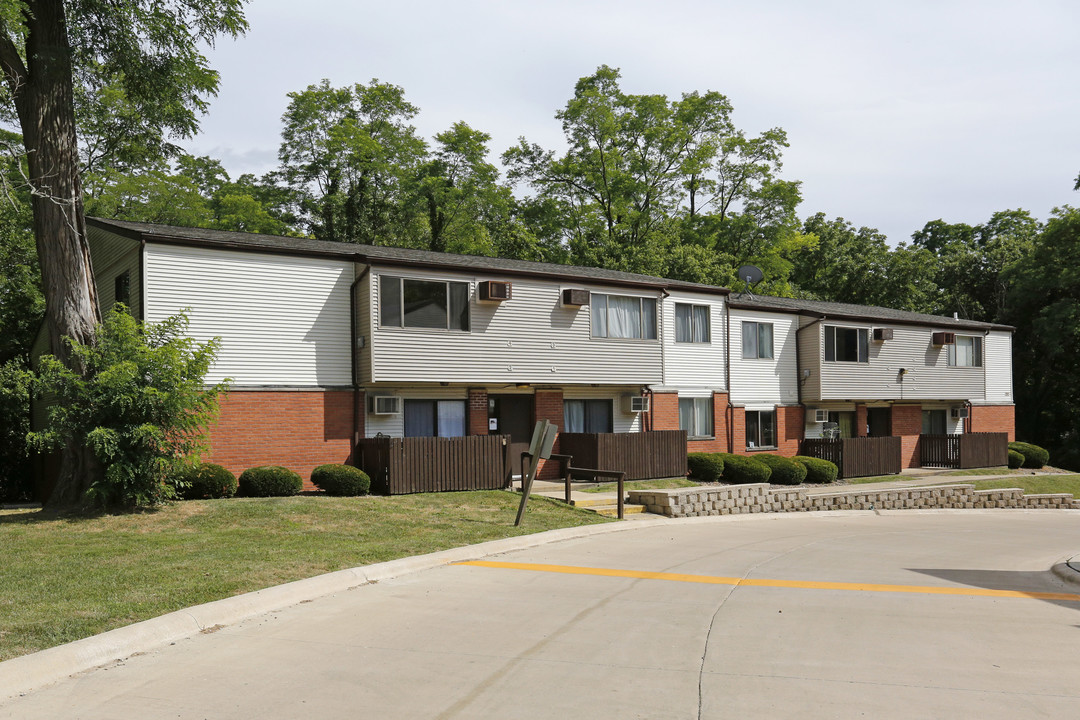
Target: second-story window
[[435, 304], [691, 323], [847, 344], [967, 352], [757, 340], [621, 316]]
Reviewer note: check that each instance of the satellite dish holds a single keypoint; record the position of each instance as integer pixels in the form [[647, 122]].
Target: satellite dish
[[751, 274]]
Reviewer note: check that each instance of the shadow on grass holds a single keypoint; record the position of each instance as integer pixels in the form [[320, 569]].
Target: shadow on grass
[[71, 517]]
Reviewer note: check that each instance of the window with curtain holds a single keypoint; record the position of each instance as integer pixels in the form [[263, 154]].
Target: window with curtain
[[757, 340], [434, 418], [621, 316], [433, 304], [588, 416], [760, 429], [692, 323], [935, 422], [847, 344], [696, 416], [967, 352], [845, 422]]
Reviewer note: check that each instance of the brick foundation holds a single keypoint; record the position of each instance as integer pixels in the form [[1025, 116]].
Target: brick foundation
[[548, 405], [477, 411], [297, 429], [664, 415], [993, 418]]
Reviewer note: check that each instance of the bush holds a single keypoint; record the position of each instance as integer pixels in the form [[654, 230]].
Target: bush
[[739, 469], [270, 481], [785, 471], [1016, 459], [208, 480], [1034, 456], [705, 467], [341, 480], [817, 470]]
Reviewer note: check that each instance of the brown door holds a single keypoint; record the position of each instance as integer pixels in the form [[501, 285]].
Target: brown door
[[513, 416], [879, 422]]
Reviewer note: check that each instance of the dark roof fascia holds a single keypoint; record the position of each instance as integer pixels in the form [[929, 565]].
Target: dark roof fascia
[[356, 253], [942, 322]]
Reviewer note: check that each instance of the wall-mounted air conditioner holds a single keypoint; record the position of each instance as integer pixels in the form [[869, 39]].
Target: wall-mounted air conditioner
[[384, 405], [637, 403], [575, 297], [958, 413], [821, 415], [944, 338], [494, 291], [882, 334]]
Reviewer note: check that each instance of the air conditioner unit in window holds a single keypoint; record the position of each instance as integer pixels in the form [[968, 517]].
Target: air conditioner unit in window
[[944, 338], [821, 415], [575, 297], [637, 403], [958, 413], [384, 405], [494, 291], [882, 334]]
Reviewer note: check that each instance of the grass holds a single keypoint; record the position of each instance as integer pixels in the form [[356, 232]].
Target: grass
[[988, 471], [661, 484], [68, 577], [1035, 484], [876, 479]]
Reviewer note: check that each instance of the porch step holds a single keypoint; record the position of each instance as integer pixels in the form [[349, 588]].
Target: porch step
[[591, 502], [613, 510]]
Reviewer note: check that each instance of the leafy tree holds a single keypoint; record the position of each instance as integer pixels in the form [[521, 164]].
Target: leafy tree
[[55, 52], [139, 405], [1044, 306]]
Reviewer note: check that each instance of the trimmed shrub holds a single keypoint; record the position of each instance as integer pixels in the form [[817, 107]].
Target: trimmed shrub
[[705, 467], [817, 470], [270, 481], [1016, 459], [1034, 456], [785, 471], [341, 480], [739, 470], [208, 480]]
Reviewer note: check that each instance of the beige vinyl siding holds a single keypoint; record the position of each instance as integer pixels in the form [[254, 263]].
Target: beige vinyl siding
[[530, 338], [761, 381], [928, 373], [394, 425], [282, 320], [111, 255], [622, 421], [997, 361], [810, 355], [694, 364], [363, 326]]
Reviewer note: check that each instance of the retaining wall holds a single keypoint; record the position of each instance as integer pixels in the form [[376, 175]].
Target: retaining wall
[[761, 497]]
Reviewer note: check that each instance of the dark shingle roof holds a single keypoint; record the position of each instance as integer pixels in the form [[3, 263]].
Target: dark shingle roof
[[385, 255], [848, 311]]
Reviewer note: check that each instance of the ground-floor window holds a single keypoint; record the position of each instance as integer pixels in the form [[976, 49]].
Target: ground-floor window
[[760, 429], [589, 416], [434, 418], [935, 422], [696, 416]]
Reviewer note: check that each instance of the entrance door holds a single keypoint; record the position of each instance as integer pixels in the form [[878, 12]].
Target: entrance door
[[513, 416], [879, 422]]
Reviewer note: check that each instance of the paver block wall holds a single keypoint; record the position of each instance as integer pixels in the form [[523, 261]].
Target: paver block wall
[[757, 498]]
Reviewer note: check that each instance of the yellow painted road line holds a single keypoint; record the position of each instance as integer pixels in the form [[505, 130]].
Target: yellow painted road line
[[764, 582]]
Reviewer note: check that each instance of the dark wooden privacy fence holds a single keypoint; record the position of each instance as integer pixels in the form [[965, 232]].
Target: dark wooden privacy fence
[[970, 450], [398, 466], [641, 455], [857, 457]]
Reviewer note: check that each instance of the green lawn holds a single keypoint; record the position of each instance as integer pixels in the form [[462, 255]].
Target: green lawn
[[661, 484], [1035, 484], [65, 578]]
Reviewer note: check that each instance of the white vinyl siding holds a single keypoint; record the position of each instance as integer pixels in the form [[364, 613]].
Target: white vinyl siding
[[282, 320], [997, 367], [764, 380], [694, 364], [623, 421], [111, 256], [531, 338], [394, 425]]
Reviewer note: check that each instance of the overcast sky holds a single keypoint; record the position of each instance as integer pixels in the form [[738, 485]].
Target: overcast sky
[[897, 113]]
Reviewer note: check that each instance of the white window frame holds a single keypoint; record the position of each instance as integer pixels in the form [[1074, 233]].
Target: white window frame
[[757, 340], [753, 443], [977, 358], [598, 299], [694, 432], [862, 344], [402, 279], [694, 309]]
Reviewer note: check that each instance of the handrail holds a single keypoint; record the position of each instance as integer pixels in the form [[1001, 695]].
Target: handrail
[[568, 471]]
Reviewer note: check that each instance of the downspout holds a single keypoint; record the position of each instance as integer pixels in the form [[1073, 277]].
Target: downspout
[[727, 376], [354, 360]]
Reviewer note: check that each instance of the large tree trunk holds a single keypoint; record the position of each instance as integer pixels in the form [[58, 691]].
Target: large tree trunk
[[44, 100]]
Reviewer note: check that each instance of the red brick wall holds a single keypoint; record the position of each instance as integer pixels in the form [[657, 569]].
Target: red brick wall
[[477, 411], [993, 418], [663, 412], [860, 420], [665, 416], [300, 430], [790, 422], [907, 423], [548, 405]]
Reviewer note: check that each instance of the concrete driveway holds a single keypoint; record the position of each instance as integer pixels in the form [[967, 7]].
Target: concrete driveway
[[944, 614]]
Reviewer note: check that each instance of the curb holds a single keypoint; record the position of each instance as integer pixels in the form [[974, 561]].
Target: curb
[[1068, 570], [24, 674]]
